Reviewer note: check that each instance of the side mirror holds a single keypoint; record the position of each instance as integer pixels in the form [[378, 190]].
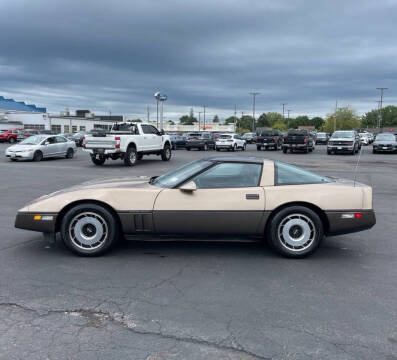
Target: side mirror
[[188, 187], [161, 132], [46, 143]]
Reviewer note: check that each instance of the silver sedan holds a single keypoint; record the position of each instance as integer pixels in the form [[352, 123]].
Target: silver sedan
[[38, 147]]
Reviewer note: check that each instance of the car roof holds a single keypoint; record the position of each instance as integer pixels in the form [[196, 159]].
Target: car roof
[[236, 158]]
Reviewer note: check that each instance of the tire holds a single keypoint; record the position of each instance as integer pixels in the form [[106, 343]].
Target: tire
[[329, 152], [373, 151], [244, 147], [38, 156], [258, 148], [83, 220], [166, 153], [306, 150], [173, 147], [69, 153], [14, 160], [131, 157], [295, 231], [205, 147], [217, 149], [188, 148], [11, 140], [285, 150], [234, 147], [98, 161]]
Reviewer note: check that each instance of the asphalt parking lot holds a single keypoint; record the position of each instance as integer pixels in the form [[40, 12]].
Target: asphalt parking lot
[[153, 300]]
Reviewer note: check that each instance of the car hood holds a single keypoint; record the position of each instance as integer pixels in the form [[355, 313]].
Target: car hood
[[20, 147], [341, 139]]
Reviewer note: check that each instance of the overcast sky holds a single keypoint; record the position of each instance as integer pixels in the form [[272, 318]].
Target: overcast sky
[[113, 55]]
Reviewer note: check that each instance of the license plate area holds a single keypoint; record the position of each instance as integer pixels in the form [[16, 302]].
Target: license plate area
[[99, 151]]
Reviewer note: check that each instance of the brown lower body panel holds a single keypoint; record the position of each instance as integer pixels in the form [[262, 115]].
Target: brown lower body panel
[[25, 220], [339, 225]]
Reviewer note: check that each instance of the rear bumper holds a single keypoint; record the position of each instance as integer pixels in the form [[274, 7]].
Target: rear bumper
[[195, 144], [344, 222], [46, 222], [295, 146]]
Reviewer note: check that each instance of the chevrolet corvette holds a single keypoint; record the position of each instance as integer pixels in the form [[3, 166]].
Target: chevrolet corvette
[[219, 197]]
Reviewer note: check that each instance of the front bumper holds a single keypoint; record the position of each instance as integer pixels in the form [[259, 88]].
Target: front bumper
[[385, 148], [340, 148], [43, 222], [344, 222], [27, 155]]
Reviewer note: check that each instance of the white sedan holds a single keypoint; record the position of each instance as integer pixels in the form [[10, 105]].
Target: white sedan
[[38, 147]]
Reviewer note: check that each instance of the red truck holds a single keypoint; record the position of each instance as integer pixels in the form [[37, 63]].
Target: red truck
[[9, 135]]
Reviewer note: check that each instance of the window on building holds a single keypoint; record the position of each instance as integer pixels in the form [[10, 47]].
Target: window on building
[[82, 128], [56, 129], [74, 129], [34, 126], [66, 128]]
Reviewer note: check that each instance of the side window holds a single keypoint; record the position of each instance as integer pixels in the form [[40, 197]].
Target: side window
[[153, 129], [60, 139], [287, 174], [146, 129], [229, 175], [51, 140]]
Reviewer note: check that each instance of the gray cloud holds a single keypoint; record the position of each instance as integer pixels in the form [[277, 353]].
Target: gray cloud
[[113, 55]]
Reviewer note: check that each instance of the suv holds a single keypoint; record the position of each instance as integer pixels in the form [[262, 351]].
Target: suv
[[128, 142], [201, 141], [344, 141], [249, 138], [298, 140], [268, 139], [230, 142], [9, 135]]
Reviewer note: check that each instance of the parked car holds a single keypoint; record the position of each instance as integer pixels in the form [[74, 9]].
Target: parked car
[[385, 142], [23, 134], [177, 141], [9, 135], [129, 142], [69, 136], [78, 138], [249, 138], [38, 147], [236, 197], [200, 140], [364, 138], [322, 138], [230, 142], [268, 139], [300, 140], [344, 141]]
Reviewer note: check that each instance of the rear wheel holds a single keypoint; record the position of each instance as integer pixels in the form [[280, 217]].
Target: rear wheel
[[89, 230], [259, 148], [98, 160], [285, 150], [234, 147], [295, 231], [166, 153], [373, 151], [329, 152], [38, 156], [69, 153], [188, 148], [205, 147], [11, 140], [244, 147], [131, 156]]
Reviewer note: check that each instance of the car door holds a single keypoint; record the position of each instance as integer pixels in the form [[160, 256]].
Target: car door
[[228, 200], [148, 138], [62, 145], [157, 138], [49, 147]]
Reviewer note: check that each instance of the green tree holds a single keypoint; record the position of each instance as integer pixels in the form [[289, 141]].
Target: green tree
[[273, 117], [343, 119], [280, 125], [389, 117], [263, 121], [317, 122], [187, 120], [215, 119], [302, 120], [245, 122], [230, 120]]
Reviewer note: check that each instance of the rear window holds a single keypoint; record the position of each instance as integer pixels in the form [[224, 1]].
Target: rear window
[[225, 137], [297, 132], [287, 174]]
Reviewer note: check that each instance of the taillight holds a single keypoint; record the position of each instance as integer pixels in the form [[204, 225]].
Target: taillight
[[358, 215], [117, 138], [83, 143], [282, 140], [230, 140], [305, 140], [274, 139]]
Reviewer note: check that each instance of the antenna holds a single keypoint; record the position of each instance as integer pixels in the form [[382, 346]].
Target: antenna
[[358, 162]]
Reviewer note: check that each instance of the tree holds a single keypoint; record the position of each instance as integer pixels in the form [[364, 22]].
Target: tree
[[263, 121], [187, 120], [279, 125], [389, 117], [343, 119], [245, 123], [137, 120], [273, 117], [215, 119], [230, 120], [317, 122]]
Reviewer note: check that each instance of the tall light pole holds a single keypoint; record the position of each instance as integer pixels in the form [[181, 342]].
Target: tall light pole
[[253, 93], [204, 117], [200, 112], [288, 111], [284, 109], [148, 113], [336, 109], [380, 104], [235, 118]]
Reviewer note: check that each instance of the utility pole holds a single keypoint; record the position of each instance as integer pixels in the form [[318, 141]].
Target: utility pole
[[204, 117], [380, 105], [284, 109], [235, 118], [200, 112], [336, 109], [253, 93], [288, 111], [148, 113]]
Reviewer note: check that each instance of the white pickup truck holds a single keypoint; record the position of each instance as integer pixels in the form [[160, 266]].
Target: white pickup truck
[[128, 142]]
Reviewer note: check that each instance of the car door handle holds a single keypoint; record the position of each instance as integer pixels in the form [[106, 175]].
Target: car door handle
[[252, 196]]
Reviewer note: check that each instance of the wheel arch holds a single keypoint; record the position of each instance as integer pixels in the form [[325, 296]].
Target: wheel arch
[[311, 206], [131, 144], [65, 209], [167, 142]]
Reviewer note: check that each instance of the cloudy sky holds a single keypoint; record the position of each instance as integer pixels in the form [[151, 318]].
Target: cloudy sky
[[113, 55]]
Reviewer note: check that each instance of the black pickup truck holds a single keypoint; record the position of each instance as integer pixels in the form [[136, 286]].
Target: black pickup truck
[[298, 140], [268, 139]]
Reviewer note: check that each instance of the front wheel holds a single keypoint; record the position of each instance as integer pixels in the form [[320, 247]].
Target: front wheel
[[69, 153], [89, 230], [98, 160], [285, 150], [131, 157], [38, 156], [258, 148], [295, 231], [234, 147], [166, 153]]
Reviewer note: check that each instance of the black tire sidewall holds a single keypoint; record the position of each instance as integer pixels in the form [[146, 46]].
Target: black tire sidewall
[[113, 229], [164, 156], [38, 155], [271, 233], [127, 160], [99, 161], [69, 153]]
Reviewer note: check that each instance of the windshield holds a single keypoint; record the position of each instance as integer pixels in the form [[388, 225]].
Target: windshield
[[321, 135], [33, 140], [343, 134], [389, 137], [174, 177], [267, 133]]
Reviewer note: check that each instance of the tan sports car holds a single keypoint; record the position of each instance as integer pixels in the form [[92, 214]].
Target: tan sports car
[[219, 197]]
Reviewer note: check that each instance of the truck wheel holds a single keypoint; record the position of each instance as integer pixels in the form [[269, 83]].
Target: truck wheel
[[329, 152], [259, 148], [285, 150], [373, 151], [98, 161], [166, 153], [89, 230], [131, 157], [306, 150]]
